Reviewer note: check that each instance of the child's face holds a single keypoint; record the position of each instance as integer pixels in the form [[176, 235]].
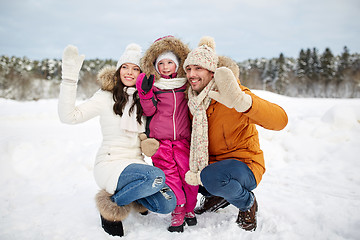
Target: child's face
[[128, 74], [166, 67]]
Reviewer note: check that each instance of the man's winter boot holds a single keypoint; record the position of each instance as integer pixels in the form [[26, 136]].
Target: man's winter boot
[[247, 219], [177, 219], [111, 214], [190, 218], [211, 204]]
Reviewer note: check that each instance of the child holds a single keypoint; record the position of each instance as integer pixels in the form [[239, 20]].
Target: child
[[125, 180], [162, 97]]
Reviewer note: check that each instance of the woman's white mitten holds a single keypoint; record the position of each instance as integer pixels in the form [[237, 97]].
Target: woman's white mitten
[[71, 64]]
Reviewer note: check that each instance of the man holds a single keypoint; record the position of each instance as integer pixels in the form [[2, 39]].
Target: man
[[225, 154]]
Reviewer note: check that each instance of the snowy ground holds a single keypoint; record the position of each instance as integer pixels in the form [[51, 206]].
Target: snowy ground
[[310, 190]]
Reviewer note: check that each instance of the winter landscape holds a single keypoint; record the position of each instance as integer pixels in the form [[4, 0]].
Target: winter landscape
[[310, 190]]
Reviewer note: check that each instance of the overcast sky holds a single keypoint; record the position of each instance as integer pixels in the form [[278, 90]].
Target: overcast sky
[[242, 29]]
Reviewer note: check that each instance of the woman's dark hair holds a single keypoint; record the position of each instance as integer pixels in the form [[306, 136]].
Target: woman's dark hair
[[121, 97]]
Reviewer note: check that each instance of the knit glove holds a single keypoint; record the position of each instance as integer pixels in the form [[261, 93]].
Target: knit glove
[[148, 146], [229, 92], [144, 86], [71, 64]]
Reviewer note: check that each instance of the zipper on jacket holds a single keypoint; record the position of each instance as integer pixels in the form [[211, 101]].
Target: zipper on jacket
[[174, 113]]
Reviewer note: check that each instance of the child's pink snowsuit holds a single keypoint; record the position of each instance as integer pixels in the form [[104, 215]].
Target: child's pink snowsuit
[[169, 123]]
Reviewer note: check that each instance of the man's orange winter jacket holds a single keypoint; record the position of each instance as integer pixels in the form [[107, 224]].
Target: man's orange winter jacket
[[233, 135]]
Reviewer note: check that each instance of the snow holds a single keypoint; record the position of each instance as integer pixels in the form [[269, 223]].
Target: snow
[[309, 191]]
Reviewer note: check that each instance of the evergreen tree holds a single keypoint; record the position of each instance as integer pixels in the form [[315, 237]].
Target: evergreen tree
[[315, 65], [344, 63], [269, 74], [301, 64], [327, 65], [282, 78], [308, 63]]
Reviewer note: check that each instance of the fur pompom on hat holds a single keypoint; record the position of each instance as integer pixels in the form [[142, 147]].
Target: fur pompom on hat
[[132, 54], [204, 55]]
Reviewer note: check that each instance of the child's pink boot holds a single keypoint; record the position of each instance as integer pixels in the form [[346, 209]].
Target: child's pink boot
[[177, 219], [190, 218]]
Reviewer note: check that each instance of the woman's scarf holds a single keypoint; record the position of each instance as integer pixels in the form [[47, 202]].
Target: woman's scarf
[[129, 123]]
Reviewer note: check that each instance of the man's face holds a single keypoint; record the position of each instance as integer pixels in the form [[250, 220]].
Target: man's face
[[198, 77]]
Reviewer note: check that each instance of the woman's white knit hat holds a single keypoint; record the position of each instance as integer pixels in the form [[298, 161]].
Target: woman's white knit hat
[[204, 55], [132, 54]]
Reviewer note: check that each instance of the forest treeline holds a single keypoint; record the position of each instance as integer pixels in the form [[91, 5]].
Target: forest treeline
[[310, 75], [24, 79]]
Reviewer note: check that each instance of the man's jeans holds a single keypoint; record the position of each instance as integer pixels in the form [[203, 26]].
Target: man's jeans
[[231, 179], [144, 184]]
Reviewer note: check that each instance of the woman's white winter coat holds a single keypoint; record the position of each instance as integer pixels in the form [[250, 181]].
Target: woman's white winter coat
[[120, 147]]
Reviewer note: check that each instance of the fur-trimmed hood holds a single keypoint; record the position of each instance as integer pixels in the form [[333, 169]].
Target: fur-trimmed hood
[[105, 78], [160, 46]]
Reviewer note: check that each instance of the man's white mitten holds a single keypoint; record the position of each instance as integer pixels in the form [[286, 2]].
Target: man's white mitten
[[71, 64], [229, 92]]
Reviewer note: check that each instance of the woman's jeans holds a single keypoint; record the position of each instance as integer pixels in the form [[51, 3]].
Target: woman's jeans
[[231, 179], [144, 184]]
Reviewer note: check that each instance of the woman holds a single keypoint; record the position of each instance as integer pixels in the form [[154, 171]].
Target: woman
[[125, 180]]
